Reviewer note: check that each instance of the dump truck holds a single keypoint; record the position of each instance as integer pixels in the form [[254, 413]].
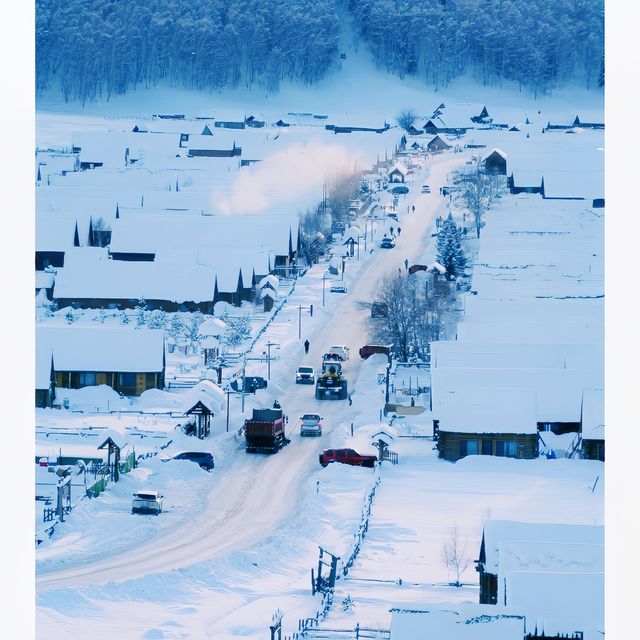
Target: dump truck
[[264, 431], [331, 385]]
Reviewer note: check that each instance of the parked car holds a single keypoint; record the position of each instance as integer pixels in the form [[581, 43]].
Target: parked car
[[387, 243], [379, 310], [310, 425], [147, 501], [425, 189], [341, 349], [203, 458], [346, 456], [338, 287], [305, 375], [370, 349], [393, 216], [400, 189]]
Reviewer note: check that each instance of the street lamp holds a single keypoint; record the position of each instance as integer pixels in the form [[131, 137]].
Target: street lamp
[[324, 278], [300, 308]]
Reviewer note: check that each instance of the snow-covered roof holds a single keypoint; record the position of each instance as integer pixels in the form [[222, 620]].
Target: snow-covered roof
[[498, 151], [118, 439], [148, 233], [498, 532], [593, 414], [270, 280], [455, 622], [268, 292], [212, 327], [454, 353], [398, 166], [480, 410], [523, 178], [206, 392], [102, 349], [558, 602], [574, 184], [116, 279], [209, 342], [558, 391], [55, 231]]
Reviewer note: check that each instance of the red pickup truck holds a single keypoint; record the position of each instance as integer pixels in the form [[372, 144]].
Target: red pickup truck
[[346, 456]]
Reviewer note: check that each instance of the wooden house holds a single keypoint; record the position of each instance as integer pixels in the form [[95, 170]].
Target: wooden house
[[509, 549], [268, 298], [229, 124], [252, 122], [437, 144], [493, 422], [483, 117], [130, 361], [496, 162], [205, 148], [45, 375], [592, 424]]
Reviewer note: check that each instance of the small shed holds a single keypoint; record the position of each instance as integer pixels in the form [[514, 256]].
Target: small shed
[[114, 443], [397, 173], [437, 144], [206, 399], [268, 297], [210, 348], [496, 162], [213, 327]]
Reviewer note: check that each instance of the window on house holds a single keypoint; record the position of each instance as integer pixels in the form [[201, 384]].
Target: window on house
[[511, 448], [468, 447], [126, 380], [86, 379]]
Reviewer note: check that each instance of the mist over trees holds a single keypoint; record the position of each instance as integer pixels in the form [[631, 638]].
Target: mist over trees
[[96, 48]]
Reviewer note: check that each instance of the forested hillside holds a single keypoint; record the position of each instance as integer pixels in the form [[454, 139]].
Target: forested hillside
[[95, 48]]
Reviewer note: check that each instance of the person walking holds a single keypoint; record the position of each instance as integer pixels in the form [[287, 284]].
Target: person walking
[[306, 346], [350, 400], [391, 230], [413, 208], [399, 230], [406, 263]]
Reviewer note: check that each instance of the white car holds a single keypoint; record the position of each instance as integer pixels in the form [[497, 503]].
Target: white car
[[425, 189], [310, 425], [147, 502], [305, 375], [338, 287], [341, 349]]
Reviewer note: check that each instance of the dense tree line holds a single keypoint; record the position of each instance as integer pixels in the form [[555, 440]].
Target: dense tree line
[[537, 43], [95, 48]]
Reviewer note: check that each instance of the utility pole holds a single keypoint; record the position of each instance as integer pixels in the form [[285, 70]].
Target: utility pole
[[269, 345], [244, 366], [227, 393], [300, 308]]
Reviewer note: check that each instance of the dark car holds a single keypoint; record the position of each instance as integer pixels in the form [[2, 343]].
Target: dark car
[[346, 456], [400, 189], [387, 243], [202, 458]]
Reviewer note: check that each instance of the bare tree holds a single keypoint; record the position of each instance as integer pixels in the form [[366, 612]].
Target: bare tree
[[479, 191], [406, 118], [455, 556]]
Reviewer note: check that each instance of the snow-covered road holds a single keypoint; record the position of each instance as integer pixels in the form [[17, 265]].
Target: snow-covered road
[[257, 493]]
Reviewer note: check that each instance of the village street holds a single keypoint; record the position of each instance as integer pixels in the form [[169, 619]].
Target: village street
[[255, 494]]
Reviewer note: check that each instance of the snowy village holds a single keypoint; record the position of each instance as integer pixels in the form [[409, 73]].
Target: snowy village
[[319, 365]]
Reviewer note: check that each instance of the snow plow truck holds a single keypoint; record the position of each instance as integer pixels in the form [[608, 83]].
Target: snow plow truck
[[331, 385]]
